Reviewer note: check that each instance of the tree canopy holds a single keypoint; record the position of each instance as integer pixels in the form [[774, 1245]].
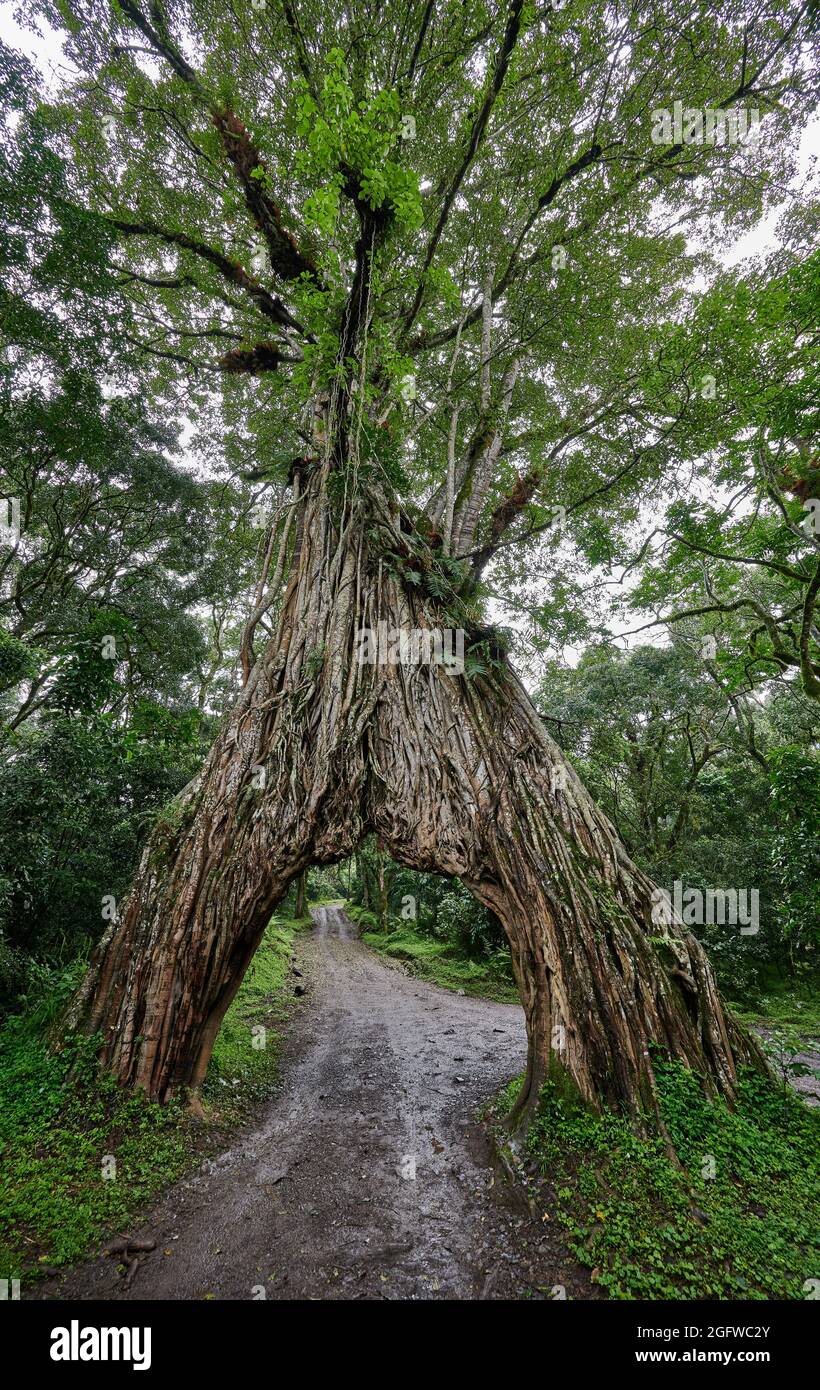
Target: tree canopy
[[243, 185]]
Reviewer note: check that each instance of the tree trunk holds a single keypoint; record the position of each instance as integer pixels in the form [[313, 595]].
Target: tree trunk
[[454, 775], [364, 879], [382, 895], [300, 909]]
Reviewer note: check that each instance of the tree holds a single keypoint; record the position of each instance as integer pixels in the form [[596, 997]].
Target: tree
[[796, 811], [300, 906], [743, 560], [109, 686], [475, 317], [701, 789], [645, 725]]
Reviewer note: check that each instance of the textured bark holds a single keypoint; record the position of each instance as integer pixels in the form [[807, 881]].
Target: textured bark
[[454, 775], [300, 909]]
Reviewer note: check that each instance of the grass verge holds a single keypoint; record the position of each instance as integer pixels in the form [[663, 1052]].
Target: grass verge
[[441, 962], [58, 1136], [739, 1220], [784, 1003]]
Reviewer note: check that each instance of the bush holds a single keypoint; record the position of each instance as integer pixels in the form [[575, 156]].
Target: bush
[[738, 1219]]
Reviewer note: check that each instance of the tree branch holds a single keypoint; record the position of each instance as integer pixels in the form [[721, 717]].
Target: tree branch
[[268, 304], [477, 131]]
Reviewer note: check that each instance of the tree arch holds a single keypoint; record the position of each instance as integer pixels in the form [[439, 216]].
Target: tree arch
[[490, 319], [457, 775]]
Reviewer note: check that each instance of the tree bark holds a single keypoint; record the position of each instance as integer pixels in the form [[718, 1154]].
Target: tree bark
[[454, 775]]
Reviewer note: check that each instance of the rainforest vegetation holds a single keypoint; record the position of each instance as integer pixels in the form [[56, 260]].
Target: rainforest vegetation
[[322, 318]]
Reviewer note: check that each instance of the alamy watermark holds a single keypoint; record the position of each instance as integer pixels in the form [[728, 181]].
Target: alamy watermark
[[76, 1343], [692, 125], [708, 907], [415, 646]]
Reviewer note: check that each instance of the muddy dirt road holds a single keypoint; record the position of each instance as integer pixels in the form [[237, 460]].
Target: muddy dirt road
[[368, 1175]]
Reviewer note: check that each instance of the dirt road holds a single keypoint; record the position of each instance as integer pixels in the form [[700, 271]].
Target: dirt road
[[368, 1175]]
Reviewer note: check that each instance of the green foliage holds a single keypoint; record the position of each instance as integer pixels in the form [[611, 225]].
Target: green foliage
[[677, 767], [464, 922], [235, 1063], [442, 963], [363, 917], [124, 441], [116, 643], [402, 126], [794, 1004], [795, 805], [649, 1229], [76, 797], [433, 924], [17, 661], [737, 558], [55, 1130], [439, 908], [340, 133], [59, 1119]]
